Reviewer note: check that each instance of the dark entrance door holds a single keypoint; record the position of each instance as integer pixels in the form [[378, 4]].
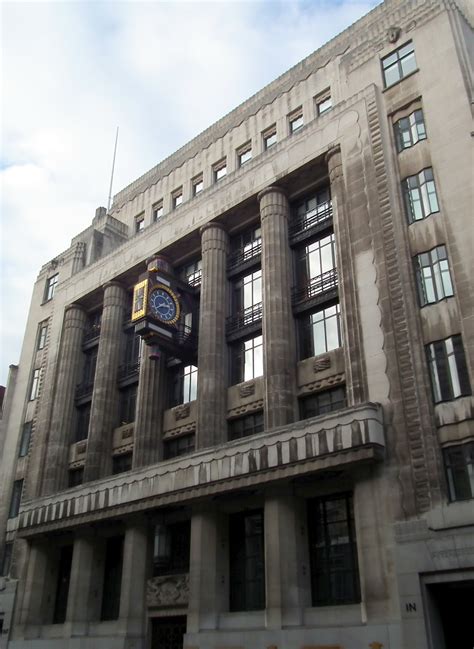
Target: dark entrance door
[[168, 632], [452, 607]]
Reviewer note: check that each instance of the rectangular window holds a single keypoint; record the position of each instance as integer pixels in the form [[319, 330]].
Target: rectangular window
[[399, 64], [409, 130], [247, 425], [82, 422], [157, 211], [122, 463], [15, 499], [128, 403], [246, 561], [178, 446], [433, 276], [183, 384], [171, 548], [219, 170], [420, 195], [320, 403], [192, 273], [244, 154], [247, 360], [62, 584], [245, 246], [333, 551], [197, 185], [6, 560], [50, 289], [112, 578], [269, 137], [90, 362], [459, 464], [316, 266], [75, 477], [139, 224], [177, 198], [42, 333], [248, 292], [320, 332], [448, 369], [35, 381], [311, 211], [295, 120], [323, 103], [25, 438]]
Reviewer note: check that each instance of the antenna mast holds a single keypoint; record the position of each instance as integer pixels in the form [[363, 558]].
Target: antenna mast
[[112, 174]]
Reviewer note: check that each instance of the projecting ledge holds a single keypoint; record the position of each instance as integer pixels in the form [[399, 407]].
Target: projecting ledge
[[345, 437]]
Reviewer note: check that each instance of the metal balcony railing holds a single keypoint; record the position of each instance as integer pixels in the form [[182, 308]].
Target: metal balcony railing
[[84, 389], [91, 332], [249, 316], [316, 286], [310, 219], [244, 254], [128, 370], [194, 279]]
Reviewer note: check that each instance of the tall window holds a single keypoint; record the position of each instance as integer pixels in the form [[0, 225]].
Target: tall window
[[316, 264], [320, 331], [245, 246], [448, 369], [398, 64], [244, 154], [75, 477], [295, 120], [139, 223], [25, 438], [320, 403], [323, 102], [157, 211], [35, 381], [269, 137], [183, 384], [62, 584], [82, 422], [132, 349], [90, 363], [128, 404], [177, 198], [50, 289], [197, 185], [312, 210], [122, 463], [459, 463], [248, 292], [177, 446], [246, 561], [333, 551], [247, 359], [6, 559], [42, 333], [112, 578], [192, 272], [15, 499], [171, 548], [410, 130], [420, 195], [433, 276], [219, 170]]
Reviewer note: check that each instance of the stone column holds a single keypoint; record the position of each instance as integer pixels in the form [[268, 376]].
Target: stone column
[[105, 398], [352, 343], [83, 603], [62, 418], [32, 612], [149, 414], [279, 343], [283, 578], [212, 351], [132, 616]]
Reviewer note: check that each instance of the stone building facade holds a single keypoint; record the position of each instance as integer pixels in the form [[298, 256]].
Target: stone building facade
[[303, 476]]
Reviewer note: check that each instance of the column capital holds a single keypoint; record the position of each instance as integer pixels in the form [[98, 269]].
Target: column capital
[[334, 149], [210, 225], [74, 306], [112, 283], [271, 190]]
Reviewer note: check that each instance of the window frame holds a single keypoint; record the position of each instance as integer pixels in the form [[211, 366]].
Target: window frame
[[177, 198], [15, 498], [197, 181], [440, 276], [337, 400], [295, 120], [268, 134], [182, 384], [466, 451], [307, 331], [240, 353], [217, 168], [42, 335], [119, 465], [139, 223], [75, 477], [320, 100], [419, 191], [242, 151], [256, 419], [50, 287], [411, 130], [35, 384], [398, 62], [26, 431], [179, 446], [128, 404], [447, 368], [157, 211]]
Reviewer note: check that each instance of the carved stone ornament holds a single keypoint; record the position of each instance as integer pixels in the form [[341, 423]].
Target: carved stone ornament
[[393, 34], [167, 591], [181, 412], [81, 448], [247, 389], [321, 364]]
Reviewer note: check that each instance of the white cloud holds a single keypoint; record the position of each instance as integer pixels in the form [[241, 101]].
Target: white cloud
[[163, 71]]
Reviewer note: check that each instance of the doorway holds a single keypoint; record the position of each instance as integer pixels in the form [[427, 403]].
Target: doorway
[[449, 608], [168, 632]]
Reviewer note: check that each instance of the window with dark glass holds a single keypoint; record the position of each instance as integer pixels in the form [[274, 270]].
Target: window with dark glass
[[75, 477], [249, 424], [311, 211], [333, 551], [219, 170], [42, 333], [157, 211], [192, 272], [62, 584], [121, 463], [433, 276], [269, 137], [295, 120], [15, 499], [94, 322], [246, 561], [319, 403], [459, 464], [197, 185], [25, 438], [323, 104], [35, 382], [420, 196], [112, 578], [88, 373], [409, 130], [177, 198], [448, 369], [320, 332], [171, 548], [6, 559], [247, 359], [247, 297], [177, 446], [139, 223], [316, 266], [131, 356], [245, 246], [182, 384], [82, 422], [50, 289], [244, 154], [128, 404], [398, 64]]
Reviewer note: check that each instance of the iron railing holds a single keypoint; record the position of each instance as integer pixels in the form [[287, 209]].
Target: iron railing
[[245, 253], [310, 219], [316, 286], [244, 318]]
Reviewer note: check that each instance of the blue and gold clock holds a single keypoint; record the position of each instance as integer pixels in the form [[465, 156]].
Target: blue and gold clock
[[163, 304]]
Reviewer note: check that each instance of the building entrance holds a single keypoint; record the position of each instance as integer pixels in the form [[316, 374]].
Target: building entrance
[[168, 632], [450, 613]]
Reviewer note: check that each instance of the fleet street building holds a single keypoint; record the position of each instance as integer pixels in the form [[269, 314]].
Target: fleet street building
[[243, 413]]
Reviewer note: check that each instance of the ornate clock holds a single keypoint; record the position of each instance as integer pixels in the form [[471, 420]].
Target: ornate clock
[[163, 304]]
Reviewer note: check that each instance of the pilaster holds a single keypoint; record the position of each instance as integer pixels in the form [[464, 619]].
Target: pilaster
[[83, 603], [134, 579]]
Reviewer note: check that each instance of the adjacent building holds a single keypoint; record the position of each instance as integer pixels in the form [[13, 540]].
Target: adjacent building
[[243, 413]]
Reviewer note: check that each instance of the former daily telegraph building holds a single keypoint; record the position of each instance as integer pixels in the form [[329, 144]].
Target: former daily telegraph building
[[242, 415]]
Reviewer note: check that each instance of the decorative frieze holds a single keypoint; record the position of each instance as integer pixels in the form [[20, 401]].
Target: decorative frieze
[[167, 591], [181, 412]]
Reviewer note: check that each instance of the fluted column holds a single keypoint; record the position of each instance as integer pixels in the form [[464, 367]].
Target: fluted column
[[279, 344], [105, 398], [136, 560], [352, 342], [212, 351], [149, 414], [62, 418]]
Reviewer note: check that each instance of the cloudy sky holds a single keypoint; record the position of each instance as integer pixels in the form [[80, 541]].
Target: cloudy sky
[[161, 71]]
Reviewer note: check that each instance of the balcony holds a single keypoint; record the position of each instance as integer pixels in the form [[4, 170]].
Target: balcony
[[84, 390], [91, 333], [244, 258], [246, 321], [311, 223], [128, 371], [317, 290]]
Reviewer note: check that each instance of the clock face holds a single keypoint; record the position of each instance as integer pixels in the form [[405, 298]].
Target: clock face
[[163, 305]]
